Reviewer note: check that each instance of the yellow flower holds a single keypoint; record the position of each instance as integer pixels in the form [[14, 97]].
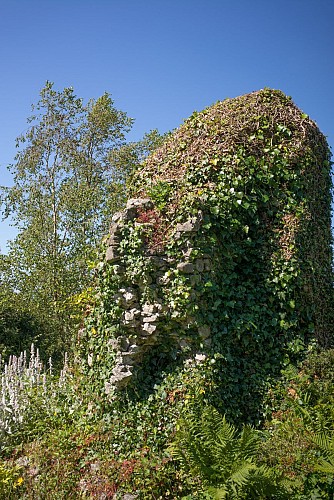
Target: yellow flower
[[19, 481]]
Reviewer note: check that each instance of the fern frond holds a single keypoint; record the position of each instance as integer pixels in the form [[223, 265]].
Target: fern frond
[[249, 442], [215, 428], [325, 442], [191, 448], [325, 467], [217, 493], [263, 483], [241, 473], [210, 447]]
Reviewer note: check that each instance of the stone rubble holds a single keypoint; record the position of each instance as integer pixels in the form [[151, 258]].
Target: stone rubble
[[141, 322]]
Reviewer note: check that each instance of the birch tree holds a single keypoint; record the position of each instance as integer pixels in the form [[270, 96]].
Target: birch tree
[[65, 191]]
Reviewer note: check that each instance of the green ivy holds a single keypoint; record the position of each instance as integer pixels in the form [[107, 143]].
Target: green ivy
[[255, 171]]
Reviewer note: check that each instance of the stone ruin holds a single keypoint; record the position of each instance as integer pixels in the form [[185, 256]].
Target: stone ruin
[[216, 176], [141, 322]]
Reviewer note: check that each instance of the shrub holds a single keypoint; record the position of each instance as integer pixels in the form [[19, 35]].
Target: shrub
[[10, 481], [301, 427]]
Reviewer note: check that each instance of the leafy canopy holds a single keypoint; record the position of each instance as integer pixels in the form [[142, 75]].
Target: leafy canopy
[[64, 191]]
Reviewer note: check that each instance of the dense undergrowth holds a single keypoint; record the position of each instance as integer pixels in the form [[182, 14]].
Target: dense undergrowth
[[60, 450]]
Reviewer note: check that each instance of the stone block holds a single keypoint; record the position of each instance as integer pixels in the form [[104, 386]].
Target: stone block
[[132, 314], [129, 296], [117, 269], [112, 254], [120, 375], [151, 319], [134, 349], [199, 265], [115, 228], [148, 328], [159, 262], [186, 267], [117, 217], [114, 344], [149, 309], [204, 331], [144, 203], [128, 358], [207, 264], [115, 235], [189, 226], [124, 343]]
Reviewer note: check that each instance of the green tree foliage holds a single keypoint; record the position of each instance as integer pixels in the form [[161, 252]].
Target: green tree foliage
[[18, 328], [65, 190], [127, 159]]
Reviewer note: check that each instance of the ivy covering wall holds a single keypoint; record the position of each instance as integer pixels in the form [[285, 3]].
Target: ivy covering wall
[[221, 262]]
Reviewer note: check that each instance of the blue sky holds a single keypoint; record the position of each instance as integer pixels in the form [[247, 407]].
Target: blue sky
[[162, 59]]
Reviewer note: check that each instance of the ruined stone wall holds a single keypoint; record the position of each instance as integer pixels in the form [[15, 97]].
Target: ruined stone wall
[[223, 254], [145, 322]]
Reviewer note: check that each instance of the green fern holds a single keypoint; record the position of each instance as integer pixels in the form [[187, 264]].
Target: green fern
[[325, 442], [212, 449], [322, 433]]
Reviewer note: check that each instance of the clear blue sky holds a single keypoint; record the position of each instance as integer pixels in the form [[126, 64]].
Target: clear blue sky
[[162, 59]]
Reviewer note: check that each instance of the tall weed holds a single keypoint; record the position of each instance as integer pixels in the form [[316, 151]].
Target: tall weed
[[31, 397]]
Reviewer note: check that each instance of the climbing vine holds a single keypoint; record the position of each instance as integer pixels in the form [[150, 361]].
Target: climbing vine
[[240, 217]]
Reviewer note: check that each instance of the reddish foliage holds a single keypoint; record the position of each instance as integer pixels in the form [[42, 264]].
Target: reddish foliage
[[148, 216], [157, 237], [127, 468]]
